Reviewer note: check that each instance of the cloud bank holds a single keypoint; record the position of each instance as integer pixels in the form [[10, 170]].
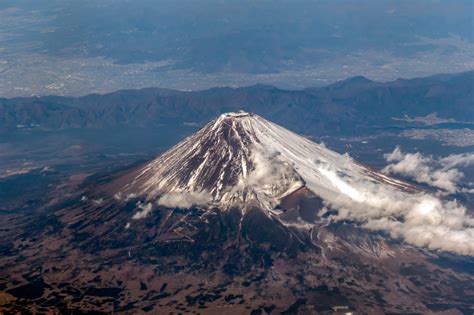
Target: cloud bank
[[417, 218], [440, 173]]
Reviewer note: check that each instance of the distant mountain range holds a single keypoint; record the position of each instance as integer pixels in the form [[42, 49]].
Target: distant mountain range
[[346, 107]]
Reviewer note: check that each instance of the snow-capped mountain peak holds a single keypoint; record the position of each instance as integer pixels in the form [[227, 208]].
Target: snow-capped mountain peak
[[241, 158]]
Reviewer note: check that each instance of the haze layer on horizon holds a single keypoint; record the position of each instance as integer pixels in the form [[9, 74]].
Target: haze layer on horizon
[[82, 47]]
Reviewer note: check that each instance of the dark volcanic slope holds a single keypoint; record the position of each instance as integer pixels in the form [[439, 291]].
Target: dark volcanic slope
[[343, 107], [84, 257]]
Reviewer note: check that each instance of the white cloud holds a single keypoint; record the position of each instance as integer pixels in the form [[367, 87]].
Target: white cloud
[[185, 199], [145, 210], [439, 173], [269, 178], [417, 218], [444, 179], [266, 170], [458, 160]]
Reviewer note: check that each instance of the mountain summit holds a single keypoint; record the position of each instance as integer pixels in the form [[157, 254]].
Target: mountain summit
[[241, 159]]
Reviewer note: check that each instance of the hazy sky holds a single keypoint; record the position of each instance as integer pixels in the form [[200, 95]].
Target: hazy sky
[[77, 47]]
